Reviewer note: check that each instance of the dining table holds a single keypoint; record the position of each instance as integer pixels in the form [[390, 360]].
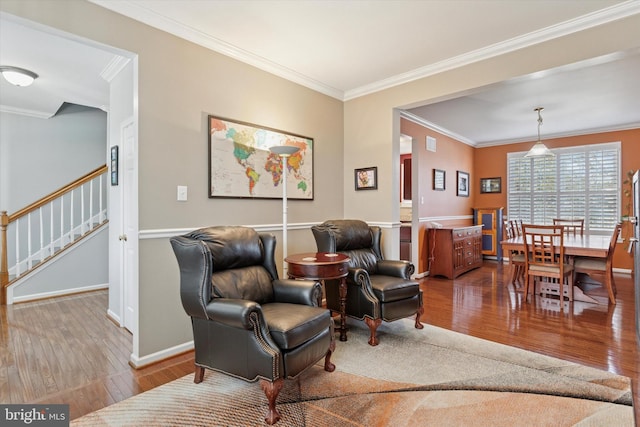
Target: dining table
[[588, 245]]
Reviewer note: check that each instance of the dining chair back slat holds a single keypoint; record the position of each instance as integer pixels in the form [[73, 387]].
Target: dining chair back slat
[[544, 257], [574, 226]]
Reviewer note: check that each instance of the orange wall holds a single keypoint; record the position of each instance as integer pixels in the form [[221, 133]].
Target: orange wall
[[492, 161], [450, 156], [489, 162]]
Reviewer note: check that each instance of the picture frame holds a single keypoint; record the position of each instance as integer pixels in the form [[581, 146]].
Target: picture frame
[[366, 178], [491, 185], [439, 179], [463, 183], [241, 164], [114, 165]]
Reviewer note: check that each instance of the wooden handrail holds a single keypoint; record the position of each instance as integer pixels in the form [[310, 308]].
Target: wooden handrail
[[6, 219], [48, 198]]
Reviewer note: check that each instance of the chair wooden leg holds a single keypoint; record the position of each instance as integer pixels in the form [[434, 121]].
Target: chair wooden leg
[[373, 327], [271, 390], [199, 376], [608, 280], [419, 314], [571, 285], [526, 287], [328, 366]]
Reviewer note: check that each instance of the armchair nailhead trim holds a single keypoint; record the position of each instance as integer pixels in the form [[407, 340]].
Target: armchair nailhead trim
[[265, 346]]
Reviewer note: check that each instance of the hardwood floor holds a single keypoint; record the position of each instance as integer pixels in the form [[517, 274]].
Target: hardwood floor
[[65, 350]]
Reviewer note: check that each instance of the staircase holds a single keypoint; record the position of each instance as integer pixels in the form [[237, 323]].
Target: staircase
[[38, 233]]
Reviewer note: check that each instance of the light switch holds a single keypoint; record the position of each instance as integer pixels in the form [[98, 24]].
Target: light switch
[[182, 193]]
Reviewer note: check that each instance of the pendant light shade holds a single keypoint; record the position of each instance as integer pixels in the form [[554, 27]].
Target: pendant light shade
[[539, 149]]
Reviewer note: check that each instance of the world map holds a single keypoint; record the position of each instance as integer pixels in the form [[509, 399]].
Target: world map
[[242, 165]]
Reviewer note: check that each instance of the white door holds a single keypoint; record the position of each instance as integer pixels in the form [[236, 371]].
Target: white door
[[129, 236]]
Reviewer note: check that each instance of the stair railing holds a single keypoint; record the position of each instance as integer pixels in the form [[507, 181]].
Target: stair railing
[[34, 234]]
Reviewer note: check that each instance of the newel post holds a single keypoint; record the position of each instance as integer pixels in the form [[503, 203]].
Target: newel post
[[4, 269]]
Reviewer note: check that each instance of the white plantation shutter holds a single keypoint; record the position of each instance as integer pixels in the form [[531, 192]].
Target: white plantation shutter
[[579, 182]]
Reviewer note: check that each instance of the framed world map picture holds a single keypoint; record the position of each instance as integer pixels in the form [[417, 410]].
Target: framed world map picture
[[241, 165]]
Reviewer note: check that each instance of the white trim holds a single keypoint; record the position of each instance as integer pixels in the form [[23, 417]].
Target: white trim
[[59, 293], [262, 228], [24, 112], [446, 218], [139, 362], [140, 13], [434, 127], [562, 29], [114, 318]]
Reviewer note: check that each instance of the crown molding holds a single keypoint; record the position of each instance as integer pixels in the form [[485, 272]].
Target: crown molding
[[144, 15], [25, 112], [434, 127], [603, 16]]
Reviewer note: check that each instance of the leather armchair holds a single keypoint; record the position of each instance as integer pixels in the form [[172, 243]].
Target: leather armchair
[[246, 322], [377, 289]]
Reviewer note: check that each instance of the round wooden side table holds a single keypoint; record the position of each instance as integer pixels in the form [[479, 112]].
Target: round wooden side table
[[323, 266]]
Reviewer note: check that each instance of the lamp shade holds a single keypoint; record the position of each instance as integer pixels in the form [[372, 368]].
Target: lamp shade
[[18, 76], [539, 150], [283, 150]]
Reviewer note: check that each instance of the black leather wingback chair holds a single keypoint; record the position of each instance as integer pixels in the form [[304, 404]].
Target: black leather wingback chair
[[377, 289], [247, 322]]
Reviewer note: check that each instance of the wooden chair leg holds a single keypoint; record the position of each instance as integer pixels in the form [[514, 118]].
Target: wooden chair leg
[[373, 327], [571, 285], [328, 366], [526, 287], [608, 280], [199, 376], [419, 314], [271, 390]]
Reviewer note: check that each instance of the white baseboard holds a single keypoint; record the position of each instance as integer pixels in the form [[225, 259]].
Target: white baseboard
[[62, 292], [114, 318], [140, 362]]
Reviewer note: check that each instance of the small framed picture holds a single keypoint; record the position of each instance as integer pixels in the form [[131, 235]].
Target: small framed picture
[[366, 178], [114, 165], [491, 185], [439, 181], [463, 184]]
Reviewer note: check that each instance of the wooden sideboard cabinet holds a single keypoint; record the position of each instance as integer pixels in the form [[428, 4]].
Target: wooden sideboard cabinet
[[455, 250]]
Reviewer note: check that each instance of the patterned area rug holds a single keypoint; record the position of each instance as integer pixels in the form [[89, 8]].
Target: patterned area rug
[[429, 377]]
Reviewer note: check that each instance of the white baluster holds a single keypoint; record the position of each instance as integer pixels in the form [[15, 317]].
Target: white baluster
[[18, 221], [29, 248]]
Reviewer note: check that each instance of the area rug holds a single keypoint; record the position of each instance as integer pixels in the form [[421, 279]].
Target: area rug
[[429, 377]]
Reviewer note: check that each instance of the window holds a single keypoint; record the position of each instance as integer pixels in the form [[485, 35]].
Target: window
[[579, 182]]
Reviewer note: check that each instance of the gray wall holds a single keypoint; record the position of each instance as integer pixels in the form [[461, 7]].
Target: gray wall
[[38, 156]]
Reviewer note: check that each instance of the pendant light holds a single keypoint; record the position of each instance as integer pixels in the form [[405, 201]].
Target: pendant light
[[539, 149]]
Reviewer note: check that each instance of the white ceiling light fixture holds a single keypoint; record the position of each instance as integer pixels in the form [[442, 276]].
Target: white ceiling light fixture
[[539, 149], [18, 76]]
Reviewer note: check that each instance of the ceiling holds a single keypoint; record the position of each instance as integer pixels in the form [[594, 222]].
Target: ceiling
[[349, 48]]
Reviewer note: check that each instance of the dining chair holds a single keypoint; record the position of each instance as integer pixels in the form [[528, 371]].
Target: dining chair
[[601, 266], [516, 224], [516, 258], [544, 258], [571, 226]]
